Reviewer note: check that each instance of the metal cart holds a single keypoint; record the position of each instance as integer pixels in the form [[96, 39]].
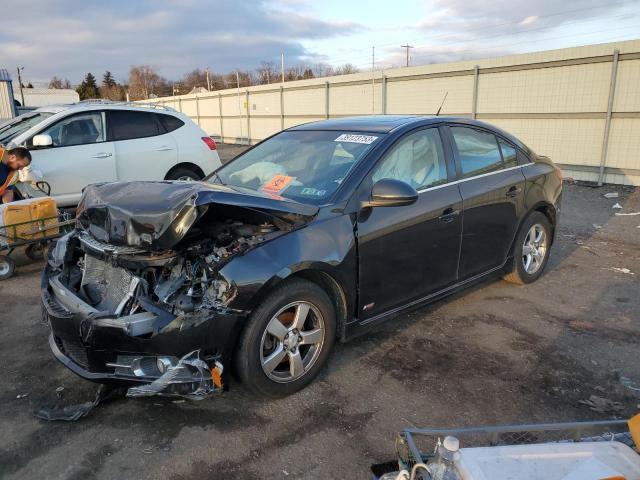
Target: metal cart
[[417, 445], [35, 235]]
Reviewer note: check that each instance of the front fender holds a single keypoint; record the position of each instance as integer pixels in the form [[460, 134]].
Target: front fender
[[326, 245]]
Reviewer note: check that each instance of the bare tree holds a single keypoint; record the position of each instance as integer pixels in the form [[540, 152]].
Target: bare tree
[[59, 83], [346, 69], [144, 81], [267, 73], [193, 79], [322, 70]]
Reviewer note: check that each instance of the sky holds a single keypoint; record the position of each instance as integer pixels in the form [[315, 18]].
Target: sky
[[70, 38]]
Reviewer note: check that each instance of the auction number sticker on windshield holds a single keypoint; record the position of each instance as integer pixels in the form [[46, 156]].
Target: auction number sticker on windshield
[[277, 183], [350, 138]]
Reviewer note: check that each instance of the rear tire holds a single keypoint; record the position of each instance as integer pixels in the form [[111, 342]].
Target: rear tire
[[531, 250], [7, 267], [184, 173], [287, 340], [35, 251]]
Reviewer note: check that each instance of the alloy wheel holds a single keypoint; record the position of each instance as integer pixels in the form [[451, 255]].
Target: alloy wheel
[[534, 249], [292, 342]]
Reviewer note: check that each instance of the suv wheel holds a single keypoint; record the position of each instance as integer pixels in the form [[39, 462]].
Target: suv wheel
[[531, 251], [287, 340], [183, 173]]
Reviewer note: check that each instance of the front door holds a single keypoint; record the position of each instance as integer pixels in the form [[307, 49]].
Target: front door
[[409, 252], [80, 155], [492, 187]]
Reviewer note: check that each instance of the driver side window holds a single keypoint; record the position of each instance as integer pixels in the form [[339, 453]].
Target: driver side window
[[81, 129], [417, 159]]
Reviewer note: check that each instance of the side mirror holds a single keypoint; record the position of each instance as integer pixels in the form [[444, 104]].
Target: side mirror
[[391, 193], [42, 141]]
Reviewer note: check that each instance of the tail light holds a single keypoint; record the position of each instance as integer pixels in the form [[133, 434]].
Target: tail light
[[210, 143]]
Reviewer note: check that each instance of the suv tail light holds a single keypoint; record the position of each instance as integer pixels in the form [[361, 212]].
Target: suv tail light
[[210, 143]]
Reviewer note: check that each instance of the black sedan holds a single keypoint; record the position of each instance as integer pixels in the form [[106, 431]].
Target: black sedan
[[314, 235]]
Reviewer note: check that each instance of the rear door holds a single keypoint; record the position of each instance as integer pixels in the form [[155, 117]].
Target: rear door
[[80, 155], [492, 188], [409, 252], [144, 151]]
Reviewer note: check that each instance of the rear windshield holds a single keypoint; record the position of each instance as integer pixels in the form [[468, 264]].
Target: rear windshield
[[306, 166], [20, 125]]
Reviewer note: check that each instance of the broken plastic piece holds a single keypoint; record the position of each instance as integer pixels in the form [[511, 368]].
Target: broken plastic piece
[[630, 214], [190, 378], [72, 413], [617, 206], [611, 195]]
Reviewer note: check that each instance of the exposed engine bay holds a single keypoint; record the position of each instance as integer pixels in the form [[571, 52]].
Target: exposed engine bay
[[120, 281]]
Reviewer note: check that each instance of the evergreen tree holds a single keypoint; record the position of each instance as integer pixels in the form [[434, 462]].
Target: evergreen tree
[[107, 80], [88, 88]]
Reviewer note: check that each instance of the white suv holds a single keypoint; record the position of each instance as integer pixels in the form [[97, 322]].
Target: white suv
[[100, 141]]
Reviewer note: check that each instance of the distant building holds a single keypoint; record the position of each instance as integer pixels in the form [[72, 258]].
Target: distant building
[[7, 105], [41, 97], [198, 90]]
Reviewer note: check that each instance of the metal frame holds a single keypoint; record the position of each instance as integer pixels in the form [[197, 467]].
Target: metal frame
[[10, 242]]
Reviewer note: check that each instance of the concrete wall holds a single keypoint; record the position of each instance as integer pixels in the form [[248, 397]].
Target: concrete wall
[[562, 103]]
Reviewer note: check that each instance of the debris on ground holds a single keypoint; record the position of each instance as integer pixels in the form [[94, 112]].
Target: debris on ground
[[611, 195], [617, 206], [620, 270], [22, 395], [59, 391], [596, 226], [602, 405], [72, 413], [631, 385], [630, 214]]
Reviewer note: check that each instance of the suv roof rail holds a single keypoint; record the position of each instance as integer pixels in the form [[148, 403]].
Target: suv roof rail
[[104, 101]]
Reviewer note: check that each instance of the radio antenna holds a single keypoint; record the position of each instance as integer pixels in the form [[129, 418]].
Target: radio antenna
[[440, 108]]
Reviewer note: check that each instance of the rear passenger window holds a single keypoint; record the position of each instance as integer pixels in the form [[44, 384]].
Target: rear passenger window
[[169, 122], [478, 151], [129, 124], [508, 154]]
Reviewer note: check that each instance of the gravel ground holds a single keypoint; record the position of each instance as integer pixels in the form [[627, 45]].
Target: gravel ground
[[498, 353]]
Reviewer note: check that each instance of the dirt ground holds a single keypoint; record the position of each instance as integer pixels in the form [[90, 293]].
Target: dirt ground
[[496, 354]]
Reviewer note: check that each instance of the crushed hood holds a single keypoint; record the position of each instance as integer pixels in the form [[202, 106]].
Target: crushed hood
[[157, 215]]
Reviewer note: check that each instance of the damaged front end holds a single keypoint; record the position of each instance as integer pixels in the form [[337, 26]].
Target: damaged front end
[[136, 293]]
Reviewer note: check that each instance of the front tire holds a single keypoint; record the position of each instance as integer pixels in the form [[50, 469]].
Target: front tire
[[531, 250], [287, 340]]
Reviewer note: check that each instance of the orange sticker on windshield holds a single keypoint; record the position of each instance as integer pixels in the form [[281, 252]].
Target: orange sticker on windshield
[[277, 183]]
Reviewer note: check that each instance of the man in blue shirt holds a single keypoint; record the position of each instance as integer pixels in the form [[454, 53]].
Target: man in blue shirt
[[12, 161]]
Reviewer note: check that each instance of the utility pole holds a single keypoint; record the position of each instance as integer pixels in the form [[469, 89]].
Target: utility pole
[[407, 47], [239, 107], [208, 81], [282, 66], [20, 83], [373, 89]]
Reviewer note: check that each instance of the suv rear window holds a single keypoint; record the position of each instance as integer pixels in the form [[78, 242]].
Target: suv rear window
[[129, 124], [169, 122]]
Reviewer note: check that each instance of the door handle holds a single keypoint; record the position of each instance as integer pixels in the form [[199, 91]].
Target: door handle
[[102, 155], [449, 215], [164, 148], [513, 192]]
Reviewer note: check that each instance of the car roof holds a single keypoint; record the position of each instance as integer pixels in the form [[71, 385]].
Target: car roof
[[389, 123], [104, 105]]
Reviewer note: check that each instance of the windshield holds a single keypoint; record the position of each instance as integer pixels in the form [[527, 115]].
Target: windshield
[[20, 125], [306, 166]]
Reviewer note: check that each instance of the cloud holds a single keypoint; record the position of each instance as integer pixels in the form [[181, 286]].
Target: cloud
[[68, 39], [528, 20]]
